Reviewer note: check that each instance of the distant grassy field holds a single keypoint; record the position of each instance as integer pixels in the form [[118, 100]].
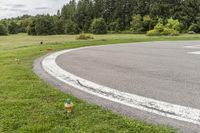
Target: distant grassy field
[[24, 40], [27, 104]]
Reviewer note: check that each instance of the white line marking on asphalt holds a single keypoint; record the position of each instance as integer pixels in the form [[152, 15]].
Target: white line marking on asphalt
[[196, 52], [192, 47], [161, 108]]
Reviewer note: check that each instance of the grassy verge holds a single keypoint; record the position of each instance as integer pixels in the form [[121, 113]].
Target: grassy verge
[[27, 104]]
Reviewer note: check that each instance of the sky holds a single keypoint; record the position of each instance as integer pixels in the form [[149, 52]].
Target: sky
[[14, 8]]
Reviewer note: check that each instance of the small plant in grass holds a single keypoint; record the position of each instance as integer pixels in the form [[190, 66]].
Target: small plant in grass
[[84, 37]]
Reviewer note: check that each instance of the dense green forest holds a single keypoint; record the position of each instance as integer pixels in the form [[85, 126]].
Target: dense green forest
[[102, 16]]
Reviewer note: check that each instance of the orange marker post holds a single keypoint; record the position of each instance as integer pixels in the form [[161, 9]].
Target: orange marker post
[[69, 106]]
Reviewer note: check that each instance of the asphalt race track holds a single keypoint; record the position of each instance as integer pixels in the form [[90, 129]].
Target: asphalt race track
[[162, 77]]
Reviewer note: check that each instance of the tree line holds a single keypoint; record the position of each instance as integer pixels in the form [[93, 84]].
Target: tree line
[[102, 16]]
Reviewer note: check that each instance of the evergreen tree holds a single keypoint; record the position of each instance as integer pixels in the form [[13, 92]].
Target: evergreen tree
[[59, 25], [117, 14], [84, 14], [68, 11]]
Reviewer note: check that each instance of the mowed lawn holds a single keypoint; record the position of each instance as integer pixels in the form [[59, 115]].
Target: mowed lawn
[[28, 104]]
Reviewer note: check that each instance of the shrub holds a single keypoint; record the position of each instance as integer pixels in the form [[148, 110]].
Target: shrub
[[114, 27], [171, 32], [3, 30], [136, 24], [174, 33], [159, 27], [148, 23], [99, 26], [84, 37], [153, 33], [165, 31], [157, 31], [171, 28], [195, 28], [173, 24], [191, 32]]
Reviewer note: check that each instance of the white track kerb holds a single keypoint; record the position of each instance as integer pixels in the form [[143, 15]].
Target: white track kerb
[[169, 110]]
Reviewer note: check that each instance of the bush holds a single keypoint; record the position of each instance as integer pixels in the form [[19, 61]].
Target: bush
[[99, 26], [3, 30], [84, 37], [114, 27], [153, 33], [173, 24], [195, 28], [165, 31], [171, 32], [157, 31], [136, 24], [159, 27], [171, 28], [148, 23], [141, 24], [191, 32]]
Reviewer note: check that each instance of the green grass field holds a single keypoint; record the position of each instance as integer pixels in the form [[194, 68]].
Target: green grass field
[[28, 104]]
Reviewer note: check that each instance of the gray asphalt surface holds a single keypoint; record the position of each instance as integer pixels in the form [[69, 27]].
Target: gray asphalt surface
[[160, 70]]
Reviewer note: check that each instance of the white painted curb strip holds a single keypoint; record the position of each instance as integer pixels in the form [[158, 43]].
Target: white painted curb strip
[[169, 110], [196, 52], [192, 47]]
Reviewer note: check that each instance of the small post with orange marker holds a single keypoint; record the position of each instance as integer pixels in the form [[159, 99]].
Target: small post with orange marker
[[69, 106]]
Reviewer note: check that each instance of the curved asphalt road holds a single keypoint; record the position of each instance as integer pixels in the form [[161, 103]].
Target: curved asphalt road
[[164, 71]]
